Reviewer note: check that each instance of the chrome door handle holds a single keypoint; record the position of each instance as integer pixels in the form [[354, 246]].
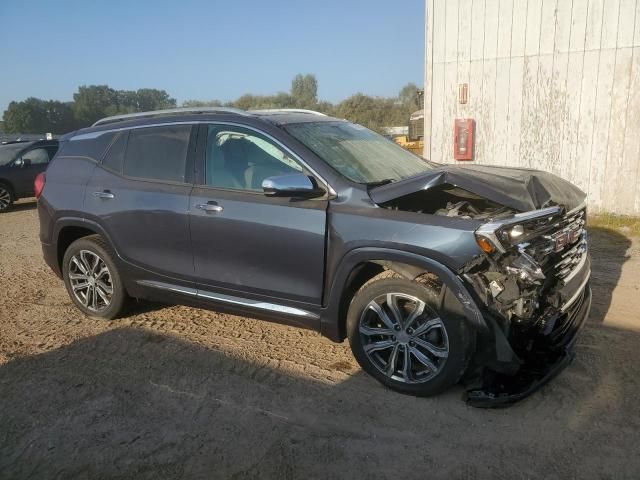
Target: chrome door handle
[[209, 208], [106, 194]]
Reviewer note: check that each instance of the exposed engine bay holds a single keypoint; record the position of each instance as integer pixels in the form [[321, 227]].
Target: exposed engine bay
[[529, 276], [450, 201], [525, 262]]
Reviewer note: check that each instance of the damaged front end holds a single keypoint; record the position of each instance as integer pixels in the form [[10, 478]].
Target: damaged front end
[[533, 281]]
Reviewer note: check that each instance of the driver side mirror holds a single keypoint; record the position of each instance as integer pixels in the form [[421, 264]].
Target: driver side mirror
[[291, 185]]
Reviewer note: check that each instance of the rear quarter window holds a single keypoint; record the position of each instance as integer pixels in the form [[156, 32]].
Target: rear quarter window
[[114, 158], [93, 148]]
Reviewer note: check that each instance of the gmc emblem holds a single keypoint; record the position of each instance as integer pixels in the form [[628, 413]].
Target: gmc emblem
[[562, 239]]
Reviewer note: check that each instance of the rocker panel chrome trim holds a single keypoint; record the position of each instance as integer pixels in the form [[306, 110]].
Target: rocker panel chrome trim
[[230, 299]]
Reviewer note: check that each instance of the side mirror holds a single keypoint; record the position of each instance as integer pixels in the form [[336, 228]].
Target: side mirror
[[291, 185]]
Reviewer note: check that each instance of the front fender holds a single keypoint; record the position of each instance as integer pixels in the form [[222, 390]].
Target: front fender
[[330, 324]]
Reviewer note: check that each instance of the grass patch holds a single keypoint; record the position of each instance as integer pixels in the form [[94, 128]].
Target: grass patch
[[628, 225]]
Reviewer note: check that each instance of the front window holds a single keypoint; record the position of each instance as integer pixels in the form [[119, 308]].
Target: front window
[[239, 158], [358, 153]]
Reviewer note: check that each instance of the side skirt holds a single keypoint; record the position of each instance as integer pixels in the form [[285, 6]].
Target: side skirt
[[235, 304]]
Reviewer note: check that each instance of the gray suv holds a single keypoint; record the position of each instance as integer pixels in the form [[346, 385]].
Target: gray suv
[[436, 274]]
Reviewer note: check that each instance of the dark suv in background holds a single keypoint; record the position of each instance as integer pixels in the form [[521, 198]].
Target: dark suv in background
[[435, 273], [20, 164]]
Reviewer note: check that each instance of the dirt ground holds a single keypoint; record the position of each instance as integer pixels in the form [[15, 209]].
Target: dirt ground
[[174, 392]]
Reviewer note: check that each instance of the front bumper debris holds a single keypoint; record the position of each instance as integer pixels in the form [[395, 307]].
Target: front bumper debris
[[547, 356]]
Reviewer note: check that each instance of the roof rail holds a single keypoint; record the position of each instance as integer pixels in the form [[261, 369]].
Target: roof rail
[[287, 110], [169, 111]]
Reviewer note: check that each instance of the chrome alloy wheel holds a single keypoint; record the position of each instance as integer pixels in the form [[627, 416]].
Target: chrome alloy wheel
[[404, 338], [5, 198], [90, 280]]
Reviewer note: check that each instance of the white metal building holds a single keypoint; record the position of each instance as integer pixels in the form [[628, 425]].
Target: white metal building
[[551, 85]]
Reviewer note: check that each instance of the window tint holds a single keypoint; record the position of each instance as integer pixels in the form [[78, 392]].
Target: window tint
[[158, 153], [92, 147], [37, 156], [114, 159], [240, 158]]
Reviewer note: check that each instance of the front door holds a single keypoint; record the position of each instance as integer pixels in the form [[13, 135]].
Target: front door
[[243, 241]]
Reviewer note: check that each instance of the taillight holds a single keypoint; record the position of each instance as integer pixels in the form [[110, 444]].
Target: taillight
[[38, 184]]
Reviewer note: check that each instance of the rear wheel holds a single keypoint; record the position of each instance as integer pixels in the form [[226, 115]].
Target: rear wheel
[[6, 197], [92, 278], [400, 335]]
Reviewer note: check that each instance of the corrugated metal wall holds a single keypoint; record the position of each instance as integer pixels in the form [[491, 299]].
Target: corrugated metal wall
[[553, 85]]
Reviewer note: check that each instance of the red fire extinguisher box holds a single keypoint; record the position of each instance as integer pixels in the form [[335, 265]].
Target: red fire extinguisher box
[[463, 138]]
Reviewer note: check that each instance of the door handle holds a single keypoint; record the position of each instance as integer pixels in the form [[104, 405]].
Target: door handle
[[106, 194], [210, 207]]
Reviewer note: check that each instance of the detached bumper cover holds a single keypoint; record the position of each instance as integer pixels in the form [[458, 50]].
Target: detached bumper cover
[[548, 356]]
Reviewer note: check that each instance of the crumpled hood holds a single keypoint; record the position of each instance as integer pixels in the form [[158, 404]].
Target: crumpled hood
[[518, 188]]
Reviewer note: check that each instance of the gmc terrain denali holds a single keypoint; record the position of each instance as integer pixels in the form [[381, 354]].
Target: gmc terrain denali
[[435, 273]]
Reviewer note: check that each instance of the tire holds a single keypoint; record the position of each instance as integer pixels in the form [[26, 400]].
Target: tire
[[79, 266], [440, 339], [6, 197]]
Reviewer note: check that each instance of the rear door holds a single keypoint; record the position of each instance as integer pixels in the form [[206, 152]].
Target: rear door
[[250, 243], [30, 163], [140, 195]]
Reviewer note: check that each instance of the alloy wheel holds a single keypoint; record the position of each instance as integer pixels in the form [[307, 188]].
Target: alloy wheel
[[90, 280], [403, 338], [5, 198]]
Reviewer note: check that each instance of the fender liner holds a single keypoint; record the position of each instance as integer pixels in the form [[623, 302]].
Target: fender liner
[[330, 322]]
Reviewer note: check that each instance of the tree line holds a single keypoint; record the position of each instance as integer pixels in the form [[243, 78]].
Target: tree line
[[92, 102]]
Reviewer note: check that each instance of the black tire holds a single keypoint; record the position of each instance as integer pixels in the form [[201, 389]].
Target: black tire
[[7, 197], [449, 330], [97, 246]]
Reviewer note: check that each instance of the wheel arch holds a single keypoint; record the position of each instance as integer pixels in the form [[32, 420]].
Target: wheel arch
[[360, 265], [7, 183], [68, 230]]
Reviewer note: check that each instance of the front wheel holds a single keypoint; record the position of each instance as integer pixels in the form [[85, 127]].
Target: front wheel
[[92, 278], [400, 335]]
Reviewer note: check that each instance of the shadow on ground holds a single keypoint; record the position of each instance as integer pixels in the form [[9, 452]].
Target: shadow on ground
[[609, 252], [23, 205], [131, 403]]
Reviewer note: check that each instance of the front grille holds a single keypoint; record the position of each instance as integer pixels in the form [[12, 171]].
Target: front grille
[[561, 250]]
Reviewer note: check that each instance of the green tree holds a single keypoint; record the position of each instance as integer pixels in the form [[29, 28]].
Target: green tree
[[97, 101], [304, 90], [202, 103], [94, 102], [254, 102], [34, 115], [372, 112], [409, 97], [148, 99]]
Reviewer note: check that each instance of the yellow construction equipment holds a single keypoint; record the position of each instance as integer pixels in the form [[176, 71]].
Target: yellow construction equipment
[[414, 140]]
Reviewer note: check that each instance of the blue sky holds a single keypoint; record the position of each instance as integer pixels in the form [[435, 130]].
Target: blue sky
[[198, 49]]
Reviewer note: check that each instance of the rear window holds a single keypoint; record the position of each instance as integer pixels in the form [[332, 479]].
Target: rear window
[[158, 153], [10, 151]]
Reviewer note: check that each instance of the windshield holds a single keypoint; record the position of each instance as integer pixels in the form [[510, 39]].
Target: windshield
[[9, 152], [358, 153]]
